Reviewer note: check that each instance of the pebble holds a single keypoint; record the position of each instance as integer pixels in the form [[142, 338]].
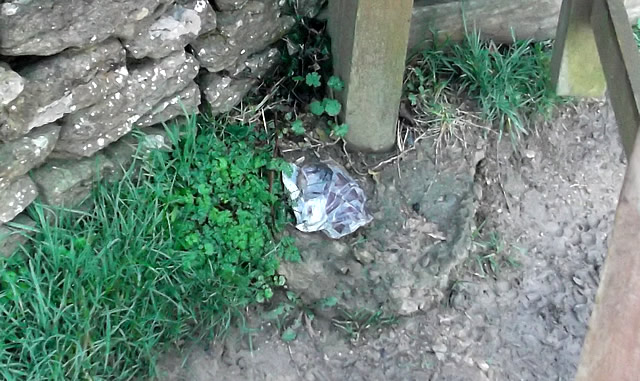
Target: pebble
[[483, 366], [439, 348], [588, 238], [364, 256]]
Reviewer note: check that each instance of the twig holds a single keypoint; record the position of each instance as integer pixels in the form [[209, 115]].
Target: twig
[[400, 155]]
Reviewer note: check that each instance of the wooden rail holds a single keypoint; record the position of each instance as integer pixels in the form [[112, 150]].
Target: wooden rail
[[611, 349]]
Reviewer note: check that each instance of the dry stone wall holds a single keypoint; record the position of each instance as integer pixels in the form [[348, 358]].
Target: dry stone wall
[[77, 75]]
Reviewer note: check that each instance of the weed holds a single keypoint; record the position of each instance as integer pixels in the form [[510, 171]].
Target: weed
[[306, 84], [288, 315], [492, 255], [355, 323], [179, 245], [507, 82]]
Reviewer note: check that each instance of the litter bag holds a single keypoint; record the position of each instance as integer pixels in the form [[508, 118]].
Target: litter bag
[[326, 198]]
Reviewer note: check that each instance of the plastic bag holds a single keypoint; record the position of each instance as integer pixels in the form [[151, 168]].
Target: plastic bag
[[326, 198]]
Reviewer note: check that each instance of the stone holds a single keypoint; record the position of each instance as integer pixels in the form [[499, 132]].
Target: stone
[[67, 183], [18, 157], [11, 237], [186, 101], [62, 84], [223, 91], [241, 33], [176, 27], [364, 256], [148, 84], [257, 65], [11, 84], [46, 28], [229, 5], [308, 8], [16, 197], [123, 152], [535, 20]]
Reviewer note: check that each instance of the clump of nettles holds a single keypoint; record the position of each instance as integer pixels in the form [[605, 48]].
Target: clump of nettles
[[180, 245]]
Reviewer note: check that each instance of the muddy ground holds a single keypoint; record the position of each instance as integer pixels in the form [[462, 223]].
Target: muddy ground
[[511, 301]]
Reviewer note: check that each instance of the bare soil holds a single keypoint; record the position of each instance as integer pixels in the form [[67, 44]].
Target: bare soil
[[516, 309]]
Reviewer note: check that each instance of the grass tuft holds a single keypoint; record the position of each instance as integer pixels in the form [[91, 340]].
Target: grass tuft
[[507, 83], [181, 244]]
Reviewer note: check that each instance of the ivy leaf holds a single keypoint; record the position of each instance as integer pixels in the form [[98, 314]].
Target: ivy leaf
[[335, 83], [297, 127], [341, 130], [317, 108], [313, 79], [289, 335], [332, 107]]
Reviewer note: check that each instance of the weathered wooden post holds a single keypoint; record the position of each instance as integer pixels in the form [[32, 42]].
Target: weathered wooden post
[[369, 41], [611, 349], [575, 66]]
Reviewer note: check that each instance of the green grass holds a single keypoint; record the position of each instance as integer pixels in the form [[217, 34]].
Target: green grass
[[492, 255], [507, 83], [180, 246]]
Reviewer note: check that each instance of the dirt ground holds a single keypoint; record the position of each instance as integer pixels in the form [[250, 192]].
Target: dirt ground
[[549, 208]]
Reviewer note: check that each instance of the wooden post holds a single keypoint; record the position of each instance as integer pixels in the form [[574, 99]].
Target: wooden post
[[621, 62], [611, 349], [369, 41], [575, 66]]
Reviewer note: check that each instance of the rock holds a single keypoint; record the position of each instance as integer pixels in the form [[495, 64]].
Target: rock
[[439, 348], [186, 101], [148, 84], [229, 5], [364, 256], [255, 66], [483, 366], [11, 84], [177, 26], [68, 182], [46, 28], [308, 8], [16, 197], [19, 156], [123, 152], [12, 237], [223, 92], [59, 85], [241, 33]]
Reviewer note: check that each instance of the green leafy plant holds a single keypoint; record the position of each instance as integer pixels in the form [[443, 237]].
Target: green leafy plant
[[184, 242], [307, 83], [327, 106]]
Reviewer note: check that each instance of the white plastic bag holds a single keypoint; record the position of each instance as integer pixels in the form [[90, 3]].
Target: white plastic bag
[[326, 198]]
